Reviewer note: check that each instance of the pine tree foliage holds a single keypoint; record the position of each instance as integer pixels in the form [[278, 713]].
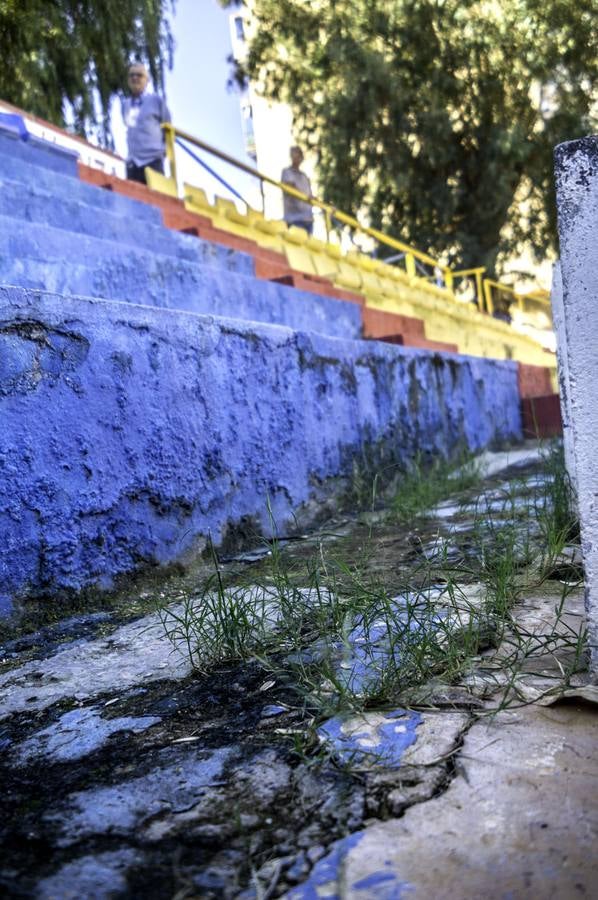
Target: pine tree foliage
[[77, 51], [435, 118]]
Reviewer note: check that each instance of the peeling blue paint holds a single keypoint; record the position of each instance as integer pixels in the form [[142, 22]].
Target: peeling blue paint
[[323, 882], [381, 886], [130, 433], [390, 742], [369, 649]]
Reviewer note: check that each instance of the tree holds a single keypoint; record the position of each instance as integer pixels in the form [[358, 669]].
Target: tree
[[77, 51], [434, 119]]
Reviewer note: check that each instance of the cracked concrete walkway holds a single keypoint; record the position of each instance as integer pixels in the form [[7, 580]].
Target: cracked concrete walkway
[[128, 775], [519, 820]]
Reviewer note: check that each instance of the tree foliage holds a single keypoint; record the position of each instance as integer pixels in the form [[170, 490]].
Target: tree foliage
[[435, 119], [77, 51]]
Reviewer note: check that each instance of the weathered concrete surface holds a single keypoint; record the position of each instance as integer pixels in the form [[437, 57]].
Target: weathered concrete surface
[[53, 259], [22, 205], [558, 313], [98, 877], [138, 652], [125, 775], [393, 739], [521, 820], [38, 152], [76, 734], [25, 162], [173, 787], [132, 433], [576, 171]]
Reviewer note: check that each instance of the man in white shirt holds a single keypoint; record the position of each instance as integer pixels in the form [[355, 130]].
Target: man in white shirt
[[297, 212], [143, 114]]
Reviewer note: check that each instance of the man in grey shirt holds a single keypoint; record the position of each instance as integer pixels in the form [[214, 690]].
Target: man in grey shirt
[[297, 212], [143, 113]]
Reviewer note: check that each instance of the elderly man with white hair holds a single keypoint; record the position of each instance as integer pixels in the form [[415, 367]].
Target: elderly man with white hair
[[143, 114]]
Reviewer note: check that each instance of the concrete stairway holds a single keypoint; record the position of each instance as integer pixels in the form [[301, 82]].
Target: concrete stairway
[[133, 427], [57, 233]]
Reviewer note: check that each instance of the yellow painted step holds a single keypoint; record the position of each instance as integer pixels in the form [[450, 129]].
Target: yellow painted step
[[158, 182]]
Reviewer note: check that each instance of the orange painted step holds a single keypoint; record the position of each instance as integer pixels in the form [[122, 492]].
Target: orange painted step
[[419, 343], [379, 324], [425, 344], [132, 189], [534, 381], [321, 286]]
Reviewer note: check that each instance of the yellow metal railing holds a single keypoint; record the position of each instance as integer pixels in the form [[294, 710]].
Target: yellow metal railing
[[485, 288]]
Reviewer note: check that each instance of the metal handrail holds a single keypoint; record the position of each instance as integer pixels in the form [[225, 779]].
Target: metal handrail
[[483, 286], [172, 132]]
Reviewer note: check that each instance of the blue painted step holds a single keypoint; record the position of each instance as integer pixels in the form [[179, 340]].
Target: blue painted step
[[91, 267], [30, 204], [14, 168], [39, 152], [28, 240]]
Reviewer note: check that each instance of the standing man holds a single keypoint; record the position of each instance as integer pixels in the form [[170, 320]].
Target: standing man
[[143, 113], [297, 212]]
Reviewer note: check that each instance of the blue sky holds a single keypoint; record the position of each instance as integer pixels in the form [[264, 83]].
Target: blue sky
[[196, 90]]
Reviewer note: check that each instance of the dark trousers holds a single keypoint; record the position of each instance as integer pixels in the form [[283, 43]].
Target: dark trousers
[[307, 224], [137, 173]]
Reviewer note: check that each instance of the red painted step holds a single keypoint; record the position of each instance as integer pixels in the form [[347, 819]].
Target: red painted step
[[534, 381], [315, 285], [380, 324], [542, 416]]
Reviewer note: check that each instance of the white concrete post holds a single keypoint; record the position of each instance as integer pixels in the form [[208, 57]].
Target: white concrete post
[[576, 170], [558, 319]]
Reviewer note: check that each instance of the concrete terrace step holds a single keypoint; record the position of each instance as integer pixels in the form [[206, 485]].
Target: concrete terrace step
[[39, 152], [133, 433], [44, 258], [31, 204], [29, 240], [24, 171]]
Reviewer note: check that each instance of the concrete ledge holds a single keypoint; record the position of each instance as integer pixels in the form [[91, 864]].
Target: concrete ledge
[[39, 152], [60, 184], [44, 258], [131, 433]]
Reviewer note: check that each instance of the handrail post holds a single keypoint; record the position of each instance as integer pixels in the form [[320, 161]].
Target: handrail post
[[488, 297], [479, 290], [263, 193], [410, 265], [169, 140], [328, 223], [448, 279]]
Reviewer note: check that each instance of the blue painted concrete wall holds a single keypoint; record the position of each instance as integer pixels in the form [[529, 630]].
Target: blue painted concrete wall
[[118, 239], [129, 433]]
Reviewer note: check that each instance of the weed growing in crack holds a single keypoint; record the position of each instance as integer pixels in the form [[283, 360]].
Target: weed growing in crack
[[331, 631], [554, 510], [423, 486]]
